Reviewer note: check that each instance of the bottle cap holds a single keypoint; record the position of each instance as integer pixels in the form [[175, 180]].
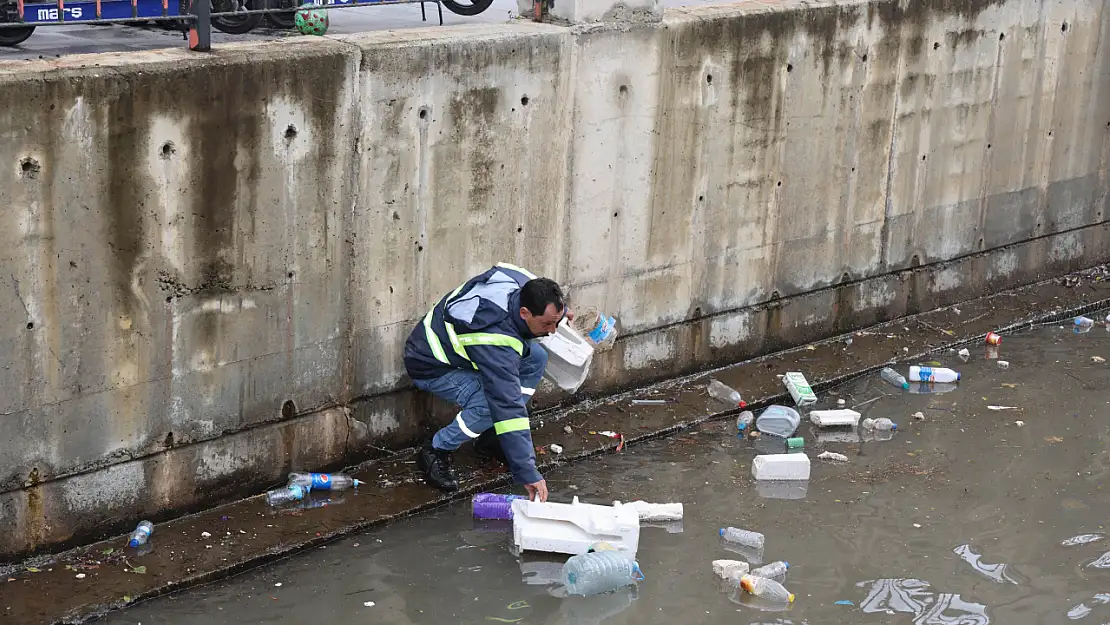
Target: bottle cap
[[743, 404], [357, 483], [741, 426], [790, 598], [786, 564], [893, 426], [133, 543], [722, 532], [905, 385], [957, 376]]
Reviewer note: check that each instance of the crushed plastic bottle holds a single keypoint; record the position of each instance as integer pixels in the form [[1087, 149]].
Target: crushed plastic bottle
[[895, 378], [1083, 324], [324, 481], [773, 570], [725, 394], [767, 589], [745, 420], [493, 506], [285, 494], [780, 421], [601, 571], [879, 425], [964, 354], [933, 374], [141, 534], [744, 538]]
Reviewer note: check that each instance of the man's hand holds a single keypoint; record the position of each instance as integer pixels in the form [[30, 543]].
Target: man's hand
[[537, 491]]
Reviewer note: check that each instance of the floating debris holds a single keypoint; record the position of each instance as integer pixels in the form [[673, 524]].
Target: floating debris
[[1082, 539]]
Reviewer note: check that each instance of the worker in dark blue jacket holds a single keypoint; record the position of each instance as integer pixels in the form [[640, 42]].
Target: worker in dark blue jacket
[[476, 349]]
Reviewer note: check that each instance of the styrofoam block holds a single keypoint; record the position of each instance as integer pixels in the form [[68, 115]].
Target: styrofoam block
[[781, 467], [572, 528], [833, 418], [727, 569], [657, 512], [569, 356]]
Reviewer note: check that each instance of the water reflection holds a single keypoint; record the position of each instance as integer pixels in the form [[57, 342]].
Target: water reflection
[[595, 609], [785, 489], [1083, 609], [999, 573], [1082, 539], [916, 597], [1103, 562]]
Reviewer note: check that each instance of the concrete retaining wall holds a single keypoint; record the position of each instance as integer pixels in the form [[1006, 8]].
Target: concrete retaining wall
[[213, 260]]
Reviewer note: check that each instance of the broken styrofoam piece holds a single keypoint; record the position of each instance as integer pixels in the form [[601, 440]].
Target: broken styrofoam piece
[[730, 569], [572, 528], [781, 467], [569, 357], [657, 512], [834, 418], [832, 456]]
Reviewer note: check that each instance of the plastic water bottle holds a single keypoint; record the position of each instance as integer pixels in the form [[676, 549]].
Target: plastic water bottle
[[773, 570], [141, 534], [725, 394], [493, 506], [601, 571], [767, 589], [745, 538], [745, 420], [933, 374], [285, 494], [879, 425], [324, 481], [1084, 323], [895, 378], [778, 421]]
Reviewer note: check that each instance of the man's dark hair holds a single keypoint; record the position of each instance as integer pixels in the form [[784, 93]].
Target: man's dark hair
[[537, 293]]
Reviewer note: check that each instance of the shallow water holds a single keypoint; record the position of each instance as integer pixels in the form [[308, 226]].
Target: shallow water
[[962, 518]]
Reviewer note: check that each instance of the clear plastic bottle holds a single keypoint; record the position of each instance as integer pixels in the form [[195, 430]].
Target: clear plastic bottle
[[883, 424], [141, 534], [285, 494], [895, 378], [725, 394], [601, 571], [745, 420], [324, 481], [933, 374], [772, 570], [745, 538], [1082, 324], [767, 589]]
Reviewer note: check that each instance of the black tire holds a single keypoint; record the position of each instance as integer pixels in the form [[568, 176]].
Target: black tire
[[236, 24], [284, 20], [467, 7], [15, 36]]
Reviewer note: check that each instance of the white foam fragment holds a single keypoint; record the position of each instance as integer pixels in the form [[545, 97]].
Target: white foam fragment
[[657, 512], [781, 467], [833, 418], [728, 569]]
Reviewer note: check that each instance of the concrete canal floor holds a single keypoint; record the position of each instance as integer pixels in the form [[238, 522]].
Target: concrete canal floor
[[962, 517]]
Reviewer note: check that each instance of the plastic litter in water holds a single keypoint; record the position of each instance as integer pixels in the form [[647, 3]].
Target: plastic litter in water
[[1004, 364], [993, 339], [964, 354], [141, 534], [799, 388], [832, 456], [594, 573], [895, 378], [844, 602], [555, 448], [493, 506], [1082, 539], [781, 467], [780, 421], [834, 418], [725, 394]]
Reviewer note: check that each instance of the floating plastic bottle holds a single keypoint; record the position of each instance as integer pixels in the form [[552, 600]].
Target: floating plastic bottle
[[285, 494], [773, 570], [493, 506], [780, 421], [745, 420], [895, 378], [879, 425], [601, 571], [744, 538], [1083, 324], [767, 589], [324, 481], [933, 374], [141, 534], [725, 394]]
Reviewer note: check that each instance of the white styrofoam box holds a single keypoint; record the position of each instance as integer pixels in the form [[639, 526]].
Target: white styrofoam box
[[572, 528], [781, 467], [833, 418], [569, 356]]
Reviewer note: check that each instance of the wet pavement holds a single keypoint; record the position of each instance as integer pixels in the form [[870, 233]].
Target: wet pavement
[[963, 517], [50, 41]]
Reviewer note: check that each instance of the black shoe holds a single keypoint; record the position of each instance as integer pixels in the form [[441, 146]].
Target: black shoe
[[436, 465], [488, 447]]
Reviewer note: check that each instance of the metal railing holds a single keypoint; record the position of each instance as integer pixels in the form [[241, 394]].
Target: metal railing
[[197, 16]]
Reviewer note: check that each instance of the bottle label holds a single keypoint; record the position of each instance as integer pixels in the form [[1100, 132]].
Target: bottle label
[[321, 481], [926, 373]]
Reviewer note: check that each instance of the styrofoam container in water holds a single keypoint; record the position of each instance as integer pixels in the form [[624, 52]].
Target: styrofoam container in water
[[834, 418], [572, 528], [779, 421], [781, 467], [569, 356]]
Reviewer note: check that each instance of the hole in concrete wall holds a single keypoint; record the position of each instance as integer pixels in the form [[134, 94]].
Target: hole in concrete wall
[[520, 228], [980, 242], [168, 441], [30, 325], [701, 198], [288, 409], [789, 67], [844, 277], [524, 101], [396, 216], [615, 214], [168, 149], [915, 261], [1064, 27], [169, 298], [936, 45], [1050, 133], [623, 89], [988, 146], [709, 79], [775, 295], [778, 184], [419, 248], [697, 312], [924, 156], [290, 275], [864, 57], [290, 132], [391, 289], [853, 169], [423, 113], [29, 168], [1001, 36]]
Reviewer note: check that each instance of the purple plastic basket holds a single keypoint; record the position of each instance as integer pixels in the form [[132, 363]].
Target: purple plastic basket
[[493, 506]]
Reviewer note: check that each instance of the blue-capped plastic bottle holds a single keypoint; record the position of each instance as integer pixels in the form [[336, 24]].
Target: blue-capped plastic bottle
[[933, 374], [324, 481], [895, 378], [141, 534], [744, 421], [601, 571]]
